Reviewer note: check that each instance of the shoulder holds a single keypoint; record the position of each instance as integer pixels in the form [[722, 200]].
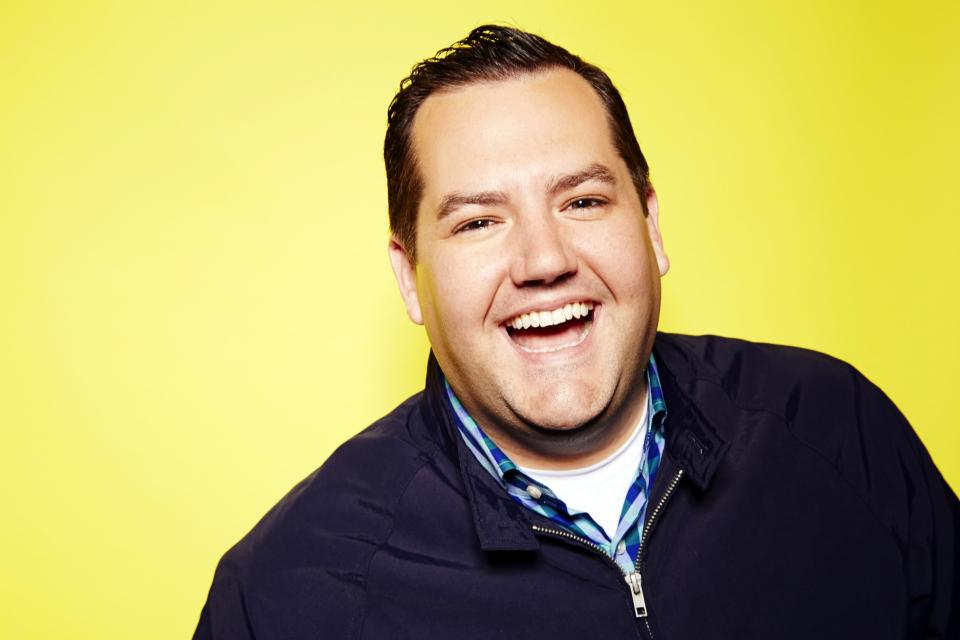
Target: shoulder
[[302, 570], [804, 387], [321, 535], [823, 404], [753, 371]]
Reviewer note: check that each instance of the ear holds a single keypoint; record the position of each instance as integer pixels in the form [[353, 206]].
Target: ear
[[406, 274], [653, 229]]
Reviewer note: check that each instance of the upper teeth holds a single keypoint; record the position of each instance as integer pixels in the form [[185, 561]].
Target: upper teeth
[[550, 318]]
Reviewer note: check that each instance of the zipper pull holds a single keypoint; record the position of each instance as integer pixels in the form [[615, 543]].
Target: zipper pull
[[636, 592]]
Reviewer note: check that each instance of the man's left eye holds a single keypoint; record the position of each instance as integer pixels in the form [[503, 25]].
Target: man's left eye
[[585, 203]]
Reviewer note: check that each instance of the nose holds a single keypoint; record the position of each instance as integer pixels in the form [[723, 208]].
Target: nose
[[544, 253]]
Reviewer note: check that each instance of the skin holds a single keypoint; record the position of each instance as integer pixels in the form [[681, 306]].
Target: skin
[[527, 205]]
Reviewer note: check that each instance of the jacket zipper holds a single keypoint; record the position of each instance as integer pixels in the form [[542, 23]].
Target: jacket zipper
[[636, 589], [645, 534], [633, 579]]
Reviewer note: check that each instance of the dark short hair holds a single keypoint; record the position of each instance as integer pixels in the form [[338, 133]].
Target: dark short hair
[[489, 52]]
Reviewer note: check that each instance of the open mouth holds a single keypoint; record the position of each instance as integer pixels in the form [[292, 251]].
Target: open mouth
[[552, 330]]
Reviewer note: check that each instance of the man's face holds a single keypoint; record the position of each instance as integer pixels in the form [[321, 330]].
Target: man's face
[[529, 217]]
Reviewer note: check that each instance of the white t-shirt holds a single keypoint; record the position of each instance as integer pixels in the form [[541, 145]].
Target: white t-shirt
[[600, 488]]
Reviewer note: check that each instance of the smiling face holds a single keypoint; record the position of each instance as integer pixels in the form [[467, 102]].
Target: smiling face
[[538, 273]]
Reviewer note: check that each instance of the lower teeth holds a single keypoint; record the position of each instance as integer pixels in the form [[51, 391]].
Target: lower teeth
[[583, 336]]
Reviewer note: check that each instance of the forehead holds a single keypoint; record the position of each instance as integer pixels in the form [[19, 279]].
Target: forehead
[[510, 133]]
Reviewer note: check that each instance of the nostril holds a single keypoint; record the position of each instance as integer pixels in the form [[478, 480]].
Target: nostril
[[555, 279]]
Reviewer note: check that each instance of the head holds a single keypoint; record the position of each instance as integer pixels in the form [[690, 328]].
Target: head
[[489, 53], [525, 239]]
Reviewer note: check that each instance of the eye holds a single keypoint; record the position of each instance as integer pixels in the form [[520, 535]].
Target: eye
[[476, 224], [585, 203]]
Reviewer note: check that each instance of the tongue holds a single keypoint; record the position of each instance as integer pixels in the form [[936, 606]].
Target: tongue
[[547, 338]]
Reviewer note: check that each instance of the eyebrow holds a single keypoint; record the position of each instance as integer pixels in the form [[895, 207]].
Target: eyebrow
[[569, 181], [453, 201]]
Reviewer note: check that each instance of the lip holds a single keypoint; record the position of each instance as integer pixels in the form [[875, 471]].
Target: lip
[[547, 305]]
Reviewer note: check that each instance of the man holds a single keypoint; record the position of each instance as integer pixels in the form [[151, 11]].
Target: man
[[568, 472]]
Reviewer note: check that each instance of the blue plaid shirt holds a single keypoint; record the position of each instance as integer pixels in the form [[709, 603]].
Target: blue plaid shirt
[[622, 547]]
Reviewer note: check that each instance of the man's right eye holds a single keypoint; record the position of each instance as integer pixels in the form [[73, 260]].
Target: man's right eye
[[475, 225]]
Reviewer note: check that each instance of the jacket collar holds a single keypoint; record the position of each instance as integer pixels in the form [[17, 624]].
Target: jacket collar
[[501, 524], [693, 444], [696, 415]]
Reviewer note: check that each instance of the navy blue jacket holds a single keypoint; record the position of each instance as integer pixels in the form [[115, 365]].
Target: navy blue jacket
[[793, 501]]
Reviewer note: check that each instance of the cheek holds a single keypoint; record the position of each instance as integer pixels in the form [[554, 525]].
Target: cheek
[[621, 255], [462, 288]]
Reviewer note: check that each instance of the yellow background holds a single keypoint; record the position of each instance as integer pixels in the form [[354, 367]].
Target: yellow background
[[196, 301]]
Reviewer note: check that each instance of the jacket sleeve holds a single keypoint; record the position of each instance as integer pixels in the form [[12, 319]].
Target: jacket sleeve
[[302, 571], [923, 512], [224, 615], [953, 618], [933, 556], [287, 590]]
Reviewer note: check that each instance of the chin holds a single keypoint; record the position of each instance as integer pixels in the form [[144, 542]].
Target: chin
[[563, 409]]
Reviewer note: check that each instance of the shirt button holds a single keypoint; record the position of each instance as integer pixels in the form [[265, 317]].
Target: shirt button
[[534, 492], [622, 547]]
